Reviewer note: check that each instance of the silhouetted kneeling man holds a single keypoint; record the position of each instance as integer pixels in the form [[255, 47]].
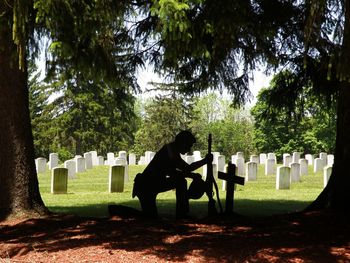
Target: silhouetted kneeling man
[[167, 171]]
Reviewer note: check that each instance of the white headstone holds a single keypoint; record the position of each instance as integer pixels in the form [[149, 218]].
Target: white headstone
[[240, 155], [327, 171], [233, 158], [197, 155], [262, 158], [215, 157], [132, 159], [53, 160], [116, 179], [295, 172], [221, 163], [254, 158], [142, 160], [323, 156], [330, 160], [287, 159], [71, 166], [80, 164], [272, 156], [270, 167], [296, 157], [59, 180], [122, 154], [318, 165], [40, 164], [283, 178], [251, 171], [240, 166], [149, 156], [309, 158], [189, 159], [94, 158], [110, 158], [101, 160], [303, 166], [88, 160]]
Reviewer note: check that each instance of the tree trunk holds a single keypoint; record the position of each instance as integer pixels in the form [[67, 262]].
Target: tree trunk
[[337, 193], [19, 189]]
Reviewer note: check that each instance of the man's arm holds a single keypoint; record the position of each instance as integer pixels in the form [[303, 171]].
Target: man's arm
[[195, 165]]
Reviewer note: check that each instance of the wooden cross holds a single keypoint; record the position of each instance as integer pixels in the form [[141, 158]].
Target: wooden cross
[[231, 179]]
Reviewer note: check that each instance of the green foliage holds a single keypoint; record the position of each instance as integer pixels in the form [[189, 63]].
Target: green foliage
[[231, 128], [293, 120], [164, 117], [83, 116]]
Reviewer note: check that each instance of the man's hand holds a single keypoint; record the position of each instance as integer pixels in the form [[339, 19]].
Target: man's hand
[[209, 158]]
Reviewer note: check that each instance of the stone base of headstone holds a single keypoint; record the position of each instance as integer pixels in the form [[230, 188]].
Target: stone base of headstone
[[59, 180]]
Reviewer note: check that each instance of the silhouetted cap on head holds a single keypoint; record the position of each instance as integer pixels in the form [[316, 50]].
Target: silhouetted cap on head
[[185, 137]]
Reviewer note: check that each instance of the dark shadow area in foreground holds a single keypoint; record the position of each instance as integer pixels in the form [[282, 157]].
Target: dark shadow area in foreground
[[311, 237]]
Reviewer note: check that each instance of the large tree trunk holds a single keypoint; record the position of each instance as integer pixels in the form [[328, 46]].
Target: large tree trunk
[[19, 189], [337, 193]]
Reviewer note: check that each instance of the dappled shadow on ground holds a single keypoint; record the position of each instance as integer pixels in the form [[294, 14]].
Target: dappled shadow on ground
[[311, 237]]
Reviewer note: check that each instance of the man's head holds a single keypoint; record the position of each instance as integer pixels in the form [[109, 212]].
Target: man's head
[[184, 141]]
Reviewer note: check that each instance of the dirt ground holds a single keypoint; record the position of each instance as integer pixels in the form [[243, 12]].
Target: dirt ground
[[308, 237]]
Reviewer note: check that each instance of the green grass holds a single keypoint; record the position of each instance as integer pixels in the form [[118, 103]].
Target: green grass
[[88, 195]]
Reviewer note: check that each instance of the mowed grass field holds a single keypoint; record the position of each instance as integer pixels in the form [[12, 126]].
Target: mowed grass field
[[88, 195]]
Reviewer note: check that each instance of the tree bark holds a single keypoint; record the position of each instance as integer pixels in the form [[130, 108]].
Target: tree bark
[[19, 188], [336, 195]]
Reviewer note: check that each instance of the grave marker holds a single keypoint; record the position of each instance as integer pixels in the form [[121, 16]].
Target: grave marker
[[132, 159], [94, 158], [262, 158], [319, 164], [327, 171], [53, 160], [287, 159], [251, 171], [303, 166], [254, 158], [295, 172], [88, 160], [116, 179], [80, 164], [309, 158], [110, 158], [270, 167], [296, 157], [59, 180], [101, 160], [231, 179], [283, 177], [71, 167], [40, 165]]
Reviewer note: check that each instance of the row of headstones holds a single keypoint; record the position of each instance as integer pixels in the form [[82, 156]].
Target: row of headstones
[[91, 159], [249, 169], [116, 179]]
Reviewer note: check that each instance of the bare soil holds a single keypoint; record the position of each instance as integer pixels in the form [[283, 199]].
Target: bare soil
[[302, 237]]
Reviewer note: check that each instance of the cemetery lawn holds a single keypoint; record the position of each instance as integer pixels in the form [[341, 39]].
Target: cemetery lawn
[[269, 226]]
